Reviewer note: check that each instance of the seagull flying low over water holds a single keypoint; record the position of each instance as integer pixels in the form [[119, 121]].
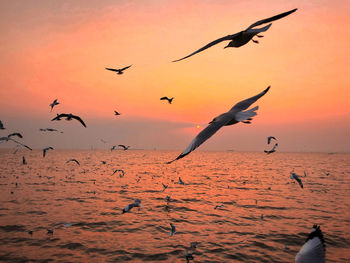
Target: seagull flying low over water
[[241, 38], [270, 138], [116, 113], [2, 126], [314, 249], [164, 187], [296, 177], [166, 98], [119, 170], [53, 104], [119, 71], [234, 115], [173, 230], [136, 203], [68, 117], [272, 150], [124, 147], [8, 138], [73, 160], [46, 149]]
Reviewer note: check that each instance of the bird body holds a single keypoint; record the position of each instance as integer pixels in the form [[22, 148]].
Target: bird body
[[234, 115], [24, 162], [119, 71], [68, 116], [116, 113], [296, 177], [8, 138]]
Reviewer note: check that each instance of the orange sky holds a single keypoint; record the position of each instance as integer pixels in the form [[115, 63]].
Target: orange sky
[[59, 50]]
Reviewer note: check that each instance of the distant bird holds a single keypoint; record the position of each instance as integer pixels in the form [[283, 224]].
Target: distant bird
[[314, 248], [68, 117], [272, 150], [173, 230], [50, 231], [119, 71], [124, 147], [166, 98], [217, 206], [270, 138], [2, 126], [119, 170], [24, 162], [8, 138], [53, 104], [73, 160], [113, 147], [46, 149], [164, 187], [136, 203], [116, 113], [180, 181], [15, 134], [167, 198], [234, 115], [50, 130], [296, 177], [241, 38]]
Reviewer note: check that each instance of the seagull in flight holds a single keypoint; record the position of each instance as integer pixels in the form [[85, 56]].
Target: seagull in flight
[[236, 114], [136, 203], [296, 177], [116, 113], [166, 98], [243, 37], [119, 71], [314, 248], [46, 149], [2, 126], [113, 147], [164, 187], [73, 160], [68, 117], [181, 182], [272, 150], [124, 147], [53, 104], [119, 170], [50, 130], [8, 138], [270, 138], [173, 230]]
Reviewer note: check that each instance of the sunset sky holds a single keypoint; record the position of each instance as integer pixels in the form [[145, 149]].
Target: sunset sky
[[59, 49]]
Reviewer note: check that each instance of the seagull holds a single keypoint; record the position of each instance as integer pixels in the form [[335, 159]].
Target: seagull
[[68, 117], [272, 150], [116, 113], [164, 187], [314, 248], [167, 198], [50, 130], [73, 160], [119, 170], [119, 71], [180, 181], [241, 38], [296, 177], [173, 230], [46, 149], [15, 134], [8, 138], [234, 115], [113, 147], [53, 104], [217, 206], [24, 162], [166, 98], [270, 138], [2, 126], [124, 147], [136, 203]]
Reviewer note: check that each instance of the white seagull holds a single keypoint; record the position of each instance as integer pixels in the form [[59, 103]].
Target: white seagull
[[241, 38], [53, 104], [46, 149], [136, 203], [314, 249], [234, 115], [296, 177]]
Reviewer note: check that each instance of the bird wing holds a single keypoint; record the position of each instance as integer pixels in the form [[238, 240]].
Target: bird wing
[[15, 134], [112, 69], [79, 119], [44, 152], [299, 181], [205, 134], [123, 146], [275, 146], [270, 19], [62, 115], [164, 98], [20, 144], [217, 41], [245, 104], [125, 68]]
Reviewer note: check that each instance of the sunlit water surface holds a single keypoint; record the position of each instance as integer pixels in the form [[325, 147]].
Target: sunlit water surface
[[265, 215]]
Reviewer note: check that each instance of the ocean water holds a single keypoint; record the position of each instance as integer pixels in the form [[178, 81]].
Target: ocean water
[[265, 216]]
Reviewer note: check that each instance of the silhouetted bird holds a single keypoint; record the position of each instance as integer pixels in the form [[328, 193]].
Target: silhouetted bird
[[119, 71], [116, 113], [68, 117], [24, 162], [243, 37], [296, 177], [166, 98], [53, 104], [46, 149], [73, 160], [124, 147], [136, 203], [234, 115], [2, 126], [173, 230]]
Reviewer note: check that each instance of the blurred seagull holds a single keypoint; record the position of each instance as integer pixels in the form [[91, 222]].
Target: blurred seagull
[[136, 203], [314, 248], [217, 206], [50, 130], [53, 104], [180, 181], [46, 149], [119, 71], [113, 147], [119, 170], [68, 116], [24, 162], [166, 98], [2, 126], [8, 138], [272, 150], [241, 38], [173, 230], [73, 160], [270, 138], [296, 177], [234, 115], [124, 147], [116, 113], [15, 134], [189, 256], [164, 187]]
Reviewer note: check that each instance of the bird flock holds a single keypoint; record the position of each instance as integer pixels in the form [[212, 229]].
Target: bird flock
[[314, 248]]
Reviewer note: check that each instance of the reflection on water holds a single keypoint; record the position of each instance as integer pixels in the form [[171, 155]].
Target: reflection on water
[[260, 210]]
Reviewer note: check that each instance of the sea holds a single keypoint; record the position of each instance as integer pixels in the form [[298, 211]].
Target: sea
[[234, 206]]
